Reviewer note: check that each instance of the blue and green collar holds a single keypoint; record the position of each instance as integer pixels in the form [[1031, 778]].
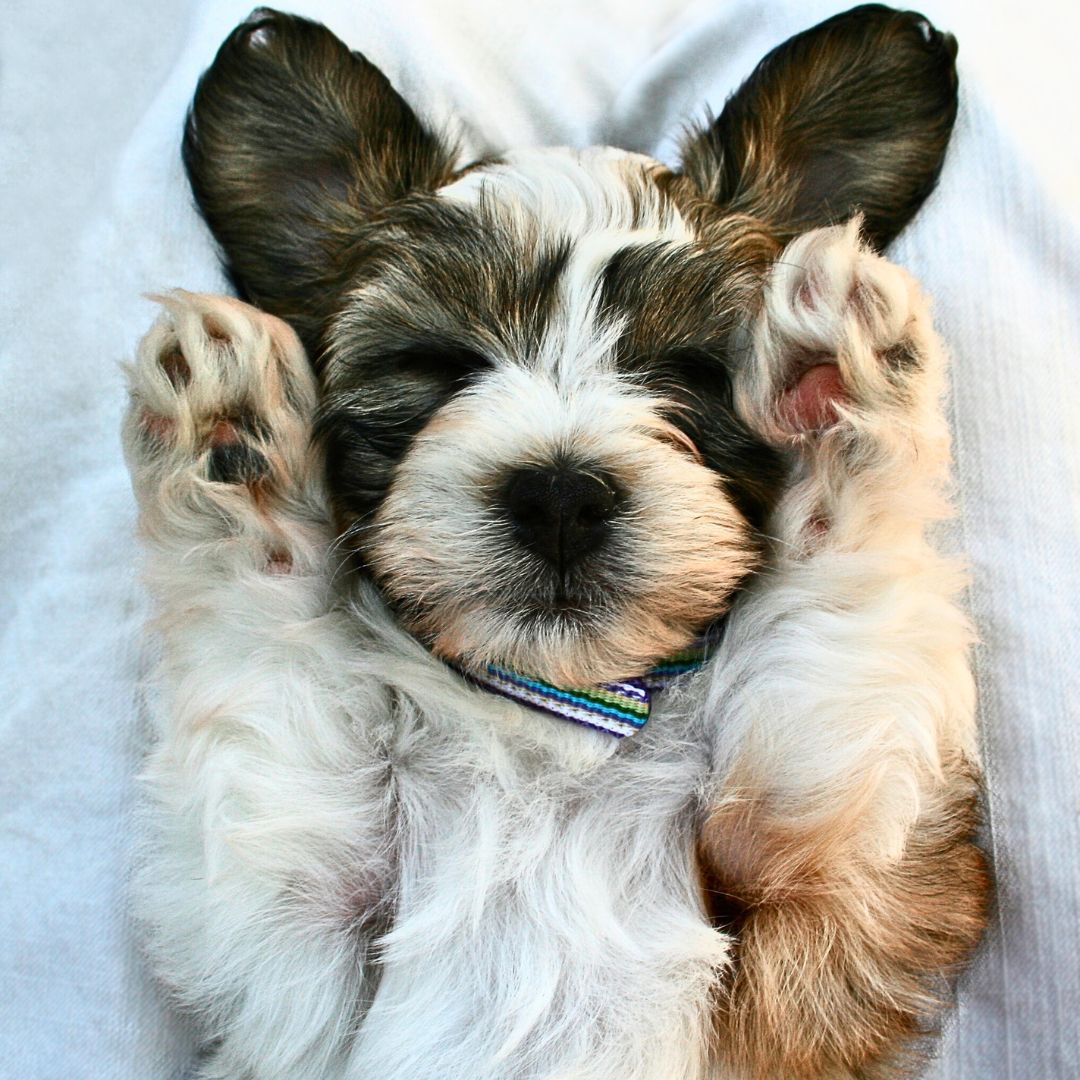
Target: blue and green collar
[[619, 708]]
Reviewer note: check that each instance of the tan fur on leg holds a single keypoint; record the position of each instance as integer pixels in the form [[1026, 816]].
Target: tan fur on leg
[[839, 961], [838, 848]]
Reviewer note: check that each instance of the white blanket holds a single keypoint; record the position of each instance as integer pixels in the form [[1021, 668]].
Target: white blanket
[[96, 212]]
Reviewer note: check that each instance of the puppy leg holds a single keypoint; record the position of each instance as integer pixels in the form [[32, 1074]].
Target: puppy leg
[[267, 860], [838, 843]]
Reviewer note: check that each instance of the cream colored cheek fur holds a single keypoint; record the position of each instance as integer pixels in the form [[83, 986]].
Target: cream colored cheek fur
[[677, 550], [358, 867]]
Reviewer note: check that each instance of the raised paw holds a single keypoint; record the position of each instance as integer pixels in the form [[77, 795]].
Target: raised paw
[[217, 436], [843, 339]]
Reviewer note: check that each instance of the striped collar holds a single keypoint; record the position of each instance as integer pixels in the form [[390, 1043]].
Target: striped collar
[[619, 708]]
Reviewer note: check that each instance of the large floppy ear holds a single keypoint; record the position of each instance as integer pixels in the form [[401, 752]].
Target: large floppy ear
[[853, 114], [291, 144]]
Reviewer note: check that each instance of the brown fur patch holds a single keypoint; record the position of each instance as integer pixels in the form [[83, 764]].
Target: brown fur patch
[[285, 198], [176, 368], [852, 114], [841, 964], [224, 433], [279, 561]]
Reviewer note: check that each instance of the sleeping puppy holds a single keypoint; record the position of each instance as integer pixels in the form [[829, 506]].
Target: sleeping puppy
[[558, 680]]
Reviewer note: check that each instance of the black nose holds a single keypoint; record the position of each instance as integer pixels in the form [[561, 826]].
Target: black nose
[[560, 513]]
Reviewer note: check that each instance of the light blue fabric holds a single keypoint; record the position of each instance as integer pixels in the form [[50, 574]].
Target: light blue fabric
[[95, 213]]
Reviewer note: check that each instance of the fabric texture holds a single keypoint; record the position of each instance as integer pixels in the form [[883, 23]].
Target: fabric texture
[[96, 213]]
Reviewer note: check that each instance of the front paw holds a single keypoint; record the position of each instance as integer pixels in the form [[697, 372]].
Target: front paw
[[217, 435], [843, 341]]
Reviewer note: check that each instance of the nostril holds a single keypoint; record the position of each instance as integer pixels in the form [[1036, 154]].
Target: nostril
[[598, 507], [528, 511]]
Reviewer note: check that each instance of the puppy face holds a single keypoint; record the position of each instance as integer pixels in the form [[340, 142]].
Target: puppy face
[[527, 362], [528, 416]]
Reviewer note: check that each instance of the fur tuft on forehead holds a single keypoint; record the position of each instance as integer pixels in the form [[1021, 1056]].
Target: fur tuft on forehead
[[574, 193]]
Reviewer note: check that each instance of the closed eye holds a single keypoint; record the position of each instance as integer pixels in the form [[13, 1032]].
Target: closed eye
[[679, 440], [441, 364], [698, 372]]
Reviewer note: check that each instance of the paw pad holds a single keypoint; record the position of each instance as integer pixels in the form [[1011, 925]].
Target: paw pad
[[232, 460], [811, 403], [236, 463]]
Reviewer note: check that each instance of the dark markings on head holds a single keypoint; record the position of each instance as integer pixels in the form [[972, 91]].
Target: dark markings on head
[[440, 291], [681, 315], [317, 180]]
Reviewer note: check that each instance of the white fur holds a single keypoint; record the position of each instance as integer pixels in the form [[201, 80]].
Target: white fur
[[577, 193], [363, 868]]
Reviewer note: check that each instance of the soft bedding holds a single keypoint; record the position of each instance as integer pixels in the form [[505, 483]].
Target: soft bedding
[[96, 213]]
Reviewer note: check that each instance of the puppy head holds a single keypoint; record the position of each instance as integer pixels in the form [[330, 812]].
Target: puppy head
[[526, 405], [527, 362]]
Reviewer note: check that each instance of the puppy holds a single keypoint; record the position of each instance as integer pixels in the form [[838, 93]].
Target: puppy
[[507, 458]]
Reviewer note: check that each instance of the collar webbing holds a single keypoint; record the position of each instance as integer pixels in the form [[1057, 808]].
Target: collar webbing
[[619, 708]]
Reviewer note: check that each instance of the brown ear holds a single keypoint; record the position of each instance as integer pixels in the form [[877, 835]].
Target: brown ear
[[291, 144], [853, 114]]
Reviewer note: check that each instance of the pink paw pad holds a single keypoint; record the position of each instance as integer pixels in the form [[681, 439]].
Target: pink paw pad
[[157, 426], [810, 403]]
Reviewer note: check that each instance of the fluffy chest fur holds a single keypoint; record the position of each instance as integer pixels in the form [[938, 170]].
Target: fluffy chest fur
[[482, 876]]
